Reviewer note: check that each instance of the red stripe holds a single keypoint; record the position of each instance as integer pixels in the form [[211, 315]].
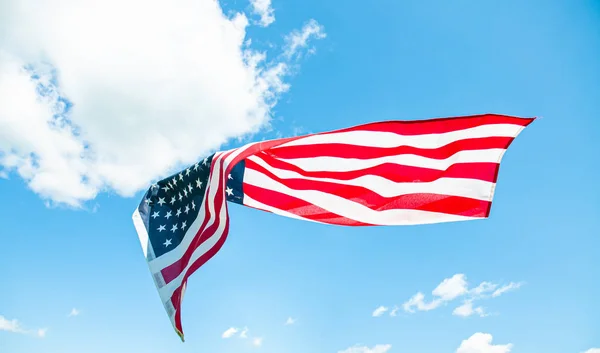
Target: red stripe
[[258, 148], [172, 271], [366, 152], [297, 206], [175, 269], [437, 125], [394, 172], [448, 204], [176, 297]]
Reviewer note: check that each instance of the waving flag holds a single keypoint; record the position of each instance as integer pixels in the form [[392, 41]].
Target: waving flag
[[386, 173]]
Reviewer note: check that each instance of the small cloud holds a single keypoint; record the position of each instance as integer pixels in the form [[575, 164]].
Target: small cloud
[[482, 343], [448, 290], [394, 311], [452, 287], [380, 348], [229, 332], [379, 311], [15, 326], [455, 287], [484, 287], [244, 333], [467, 310], [509, 287], [592, 350], [257, 341], [290, 321], [10, 325], [74, 312], [264, 10], [418, 301], [297, 40], [42, 332]]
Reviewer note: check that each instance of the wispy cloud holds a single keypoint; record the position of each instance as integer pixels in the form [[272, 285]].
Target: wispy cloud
[[15, 326], [74, 312], [417, 302], [394, 311], [380, 348], [592, 350], [448, 290], [243, 334], [42, 332], [229, 332], [482, 343], [290, 321], [264, 10], [467, 309], [483, 287], [457, 287], [299, 39], [10, 325], [379, 311], [257, 341], [509, 287]]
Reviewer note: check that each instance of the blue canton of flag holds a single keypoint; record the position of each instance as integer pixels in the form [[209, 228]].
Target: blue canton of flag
[[170, 206]]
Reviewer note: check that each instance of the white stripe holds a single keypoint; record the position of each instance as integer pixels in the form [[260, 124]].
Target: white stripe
[[390, 139], [353, 210], [250, 202], [142, 232], [472, 188], [172, 256], [143, 236], [336, 164]]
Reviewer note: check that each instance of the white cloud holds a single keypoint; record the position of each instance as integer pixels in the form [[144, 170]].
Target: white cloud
[[449, 289], [244, 333], [42, 332], [482, 343], [74, 312], [466, 309], [229, 332], [257, 341], [290, 321], [380, 348], [418, 301], [299, 39], [509, 287], [379, 311], [452, 287], [264, 10], [483, 287], [394, 311], [455, 287], [87, 107], [10, 325], [15, 326], [592, 350]]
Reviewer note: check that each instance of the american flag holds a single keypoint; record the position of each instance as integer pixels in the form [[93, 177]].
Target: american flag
[[385, 173]]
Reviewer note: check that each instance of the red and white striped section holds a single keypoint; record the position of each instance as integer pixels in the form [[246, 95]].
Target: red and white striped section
[[204, 238], [388, 173]]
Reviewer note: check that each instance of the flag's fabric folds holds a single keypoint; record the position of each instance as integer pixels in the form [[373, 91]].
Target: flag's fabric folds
[[385, 173]]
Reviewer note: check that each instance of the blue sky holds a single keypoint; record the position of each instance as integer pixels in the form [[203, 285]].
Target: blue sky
[[378, 61]]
